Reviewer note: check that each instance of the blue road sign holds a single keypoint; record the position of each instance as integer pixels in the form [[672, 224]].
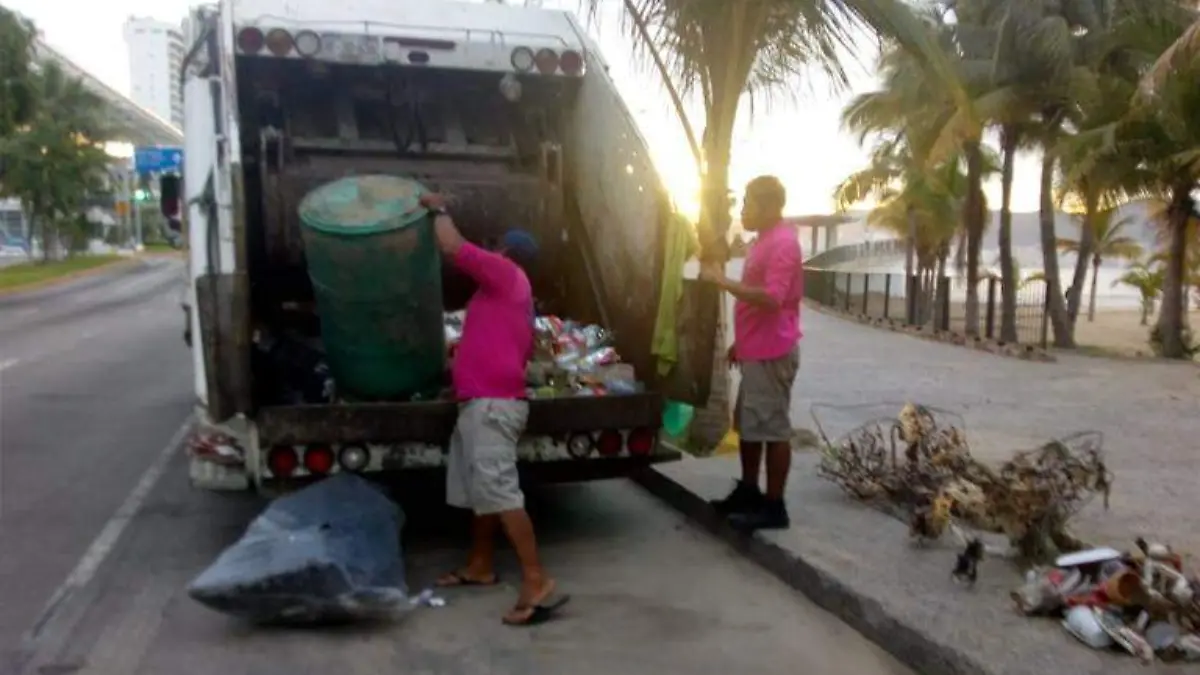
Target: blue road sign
[[157, 159]]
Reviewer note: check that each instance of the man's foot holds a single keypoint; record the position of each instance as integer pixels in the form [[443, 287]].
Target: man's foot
[[467, 578], [536, 607], [771, 514], [744, 498]]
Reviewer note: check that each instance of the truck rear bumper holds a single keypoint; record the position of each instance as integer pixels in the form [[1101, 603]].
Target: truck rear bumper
[[433, 422]]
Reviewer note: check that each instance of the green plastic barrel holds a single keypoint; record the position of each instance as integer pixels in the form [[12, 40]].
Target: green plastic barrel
[[377, 276]]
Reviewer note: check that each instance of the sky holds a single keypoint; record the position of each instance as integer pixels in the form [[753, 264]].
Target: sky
[[797, 138]]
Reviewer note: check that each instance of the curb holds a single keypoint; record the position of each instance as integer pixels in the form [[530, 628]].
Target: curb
[[74, 276], [861, 612], [1015, 351]]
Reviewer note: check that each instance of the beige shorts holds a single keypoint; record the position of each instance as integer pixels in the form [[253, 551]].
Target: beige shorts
[[481, 471], [762, 413]]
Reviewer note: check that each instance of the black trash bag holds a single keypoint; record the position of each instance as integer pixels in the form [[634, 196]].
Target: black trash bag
[[327, 553]]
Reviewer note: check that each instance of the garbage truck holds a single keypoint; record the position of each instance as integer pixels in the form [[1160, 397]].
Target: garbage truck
[[509, 110]]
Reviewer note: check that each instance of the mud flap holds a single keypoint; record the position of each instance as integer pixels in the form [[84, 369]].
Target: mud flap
[[223, 304]]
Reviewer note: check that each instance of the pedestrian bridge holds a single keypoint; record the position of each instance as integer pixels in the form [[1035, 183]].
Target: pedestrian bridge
[[134, 124]]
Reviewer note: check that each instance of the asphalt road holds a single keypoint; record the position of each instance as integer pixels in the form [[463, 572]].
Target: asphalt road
[[96, 501], [94, 380]]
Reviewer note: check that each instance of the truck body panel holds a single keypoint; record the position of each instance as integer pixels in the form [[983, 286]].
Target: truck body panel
[[445, 95]]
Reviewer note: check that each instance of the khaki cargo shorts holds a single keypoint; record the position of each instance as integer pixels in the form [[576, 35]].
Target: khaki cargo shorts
[[481, 471], [762, 413]]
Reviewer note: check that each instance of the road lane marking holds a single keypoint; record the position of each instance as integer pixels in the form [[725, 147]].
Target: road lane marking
[[5, 364], [105, 542]]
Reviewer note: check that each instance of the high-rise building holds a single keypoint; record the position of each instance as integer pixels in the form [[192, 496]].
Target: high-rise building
[[156, 53]]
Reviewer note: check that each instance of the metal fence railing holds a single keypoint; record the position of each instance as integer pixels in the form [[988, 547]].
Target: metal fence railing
[[938, 302]]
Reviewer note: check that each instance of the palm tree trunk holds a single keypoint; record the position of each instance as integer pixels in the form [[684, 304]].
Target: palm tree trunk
[[1171, 311], [1056, 306], [1095, 282], [1087, 242], [1008, 280], [974, 219]]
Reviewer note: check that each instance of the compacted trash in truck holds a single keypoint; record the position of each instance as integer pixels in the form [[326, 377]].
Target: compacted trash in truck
[[510, 111]]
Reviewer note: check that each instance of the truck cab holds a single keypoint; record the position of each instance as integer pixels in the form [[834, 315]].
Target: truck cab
[[508, 110]]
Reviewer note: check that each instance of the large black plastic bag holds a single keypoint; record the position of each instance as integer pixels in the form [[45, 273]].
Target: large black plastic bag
[[327, 553]]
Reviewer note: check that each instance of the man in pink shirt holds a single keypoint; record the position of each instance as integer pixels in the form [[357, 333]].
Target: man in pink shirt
[[488, 375], [766, 348]]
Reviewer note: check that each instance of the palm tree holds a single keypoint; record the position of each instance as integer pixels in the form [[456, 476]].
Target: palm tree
[[722, 51], [1104, 231], [1147, 281], [16, 75]]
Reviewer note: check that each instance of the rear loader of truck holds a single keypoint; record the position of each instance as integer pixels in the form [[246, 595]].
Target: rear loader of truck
[[510, 112]]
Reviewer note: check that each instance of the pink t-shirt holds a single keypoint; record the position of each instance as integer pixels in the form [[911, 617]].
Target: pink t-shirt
[[497, 335], [773, 263]]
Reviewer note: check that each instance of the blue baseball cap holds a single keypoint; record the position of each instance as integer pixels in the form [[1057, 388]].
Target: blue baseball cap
[[520, 243]]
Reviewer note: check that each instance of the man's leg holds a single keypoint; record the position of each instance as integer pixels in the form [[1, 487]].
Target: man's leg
[[767, 418], [496, 490], [746, 495], [480, 569]]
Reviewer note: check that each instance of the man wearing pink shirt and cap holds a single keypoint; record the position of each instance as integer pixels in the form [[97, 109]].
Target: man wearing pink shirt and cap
[[766, 349], [488, 375]]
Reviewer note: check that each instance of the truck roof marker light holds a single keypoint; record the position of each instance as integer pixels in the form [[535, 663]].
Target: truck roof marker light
[[580, 446], [571, 63], [641, 442], [250, 40], [308, 43], [547, 61], [523, 59], [354, 458], [318, 459], [282, 461], [609, 444], [279, 42]]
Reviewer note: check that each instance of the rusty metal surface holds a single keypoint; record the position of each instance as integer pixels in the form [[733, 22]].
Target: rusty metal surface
[[223, 304], [432, 422]]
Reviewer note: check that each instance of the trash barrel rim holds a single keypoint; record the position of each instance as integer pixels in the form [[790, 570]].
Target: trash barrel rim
[[398, 222]]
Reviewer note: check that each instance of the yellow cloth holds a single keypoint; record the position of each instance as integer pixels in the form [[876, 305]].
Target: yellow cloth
[[729, 444], [681, 244]]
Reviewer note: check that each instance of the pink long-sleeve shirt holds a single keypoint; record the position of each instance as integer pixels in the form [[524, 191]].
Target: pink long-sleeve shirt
[[773, 263], [497, 336]]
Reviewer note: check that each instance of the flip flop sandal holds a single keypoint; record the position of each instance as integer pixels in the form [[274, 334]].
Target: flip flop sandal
[[457, 580], [541, 612]]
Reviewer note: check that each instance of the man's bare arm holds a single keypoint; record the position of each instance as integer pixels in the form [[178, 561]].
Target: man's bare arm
[[756, 296]]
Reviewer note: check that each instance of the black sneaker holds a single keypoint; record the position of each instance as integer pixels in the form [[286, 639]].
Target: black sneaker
[[770, 515], [744, 498]]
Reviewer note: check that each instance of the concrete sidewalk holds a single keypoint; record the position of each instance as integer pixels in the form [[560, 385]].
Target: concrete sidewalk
[[860, 565]]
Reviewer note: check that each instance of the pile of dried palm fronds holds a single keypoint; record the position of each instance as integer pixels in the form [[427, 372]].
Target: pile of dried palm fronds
[[918, 466]]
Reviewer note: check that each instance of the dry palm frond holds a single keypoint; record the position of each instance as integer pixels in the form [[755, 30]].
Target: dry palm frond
[[919, 467]]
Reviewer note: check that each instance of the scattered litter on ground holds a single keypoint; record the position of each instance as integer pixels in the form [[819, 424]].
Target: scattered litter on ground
[[1141, 601], [327, 553], [917, 466]]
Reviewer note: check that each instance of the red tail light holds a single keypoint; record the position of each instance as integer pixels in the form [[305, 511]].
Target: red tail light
[[641, 441], [282, 461], [318, 459], [571, 62], [279, 42], [609, 443], [547, 61], [250, 40]]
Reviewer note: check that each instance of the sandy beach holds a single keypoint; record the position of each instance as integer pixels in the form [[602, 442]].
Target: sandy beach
[[1118, 331]]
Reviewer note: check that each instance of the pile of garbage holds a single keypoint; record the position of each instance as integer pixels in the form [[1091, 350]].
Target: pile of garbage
[[1140, 601], [918, 466], [569, 359]]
